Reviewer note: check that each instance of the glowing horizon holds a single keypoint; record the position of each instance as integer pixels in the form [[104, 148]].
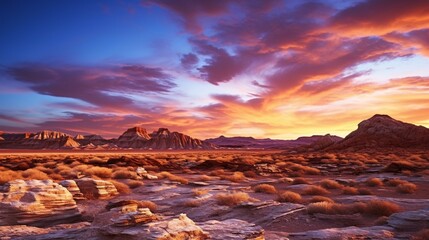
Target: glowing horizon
[[268, 69]]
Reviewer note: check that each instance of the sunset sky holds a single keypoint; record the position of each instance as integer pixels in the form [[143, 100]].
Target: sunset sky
[[277, 69]]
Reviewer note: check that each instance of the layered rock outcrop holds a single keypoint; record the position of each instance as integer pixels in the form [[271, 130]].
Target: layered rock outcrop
[[37, 203], [96, 189]]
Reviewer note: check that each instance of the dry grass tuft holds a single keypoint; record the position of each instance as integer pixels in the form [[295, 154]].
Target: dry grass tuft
[[134, 183], [374, 182], [406, 187], [315, 190], [265, 188], [381, 208], [172, 177], [289, 196], [193, 203], [148, 204], [100, 172], [121, 187], [297, 181], [232, 199], [124, 174], [204, 178], [235, 177], [320, 199], [395, 182], [350, 191], [34, 174], [200, 191], [330, 184], [9, 175], [375, 208]]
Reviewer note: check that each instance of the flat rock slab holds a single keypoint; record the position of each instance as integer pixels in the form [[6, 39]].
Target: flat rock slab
[[232, 229], [410, 221], [378, 232]]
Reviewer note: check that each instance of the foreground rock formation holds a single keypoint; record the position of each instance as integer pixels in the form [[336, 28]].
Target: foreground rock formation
[[36, 203], [96, 189]]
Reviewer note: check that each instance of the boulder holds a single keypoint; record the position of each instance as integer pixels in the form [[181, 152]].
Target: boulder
[[73, 189], [176, 228], [410, 220], [96, 189], [141, 172], [232, 229], [36, 203]]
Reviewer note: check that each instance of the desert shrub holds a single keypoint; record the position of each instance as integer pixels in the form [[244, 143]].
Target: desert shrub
[[204, 178], [297, 181], [335, 208], [395, 182], [199, 191], [148, 204], [193, 203], [101, 172], [134, 183], [68, 174], [305, 169], [124, 174], [289, 196], [33, 173], [232, 199], [121, 187], [375, 207], [250, 174], [374, 182], [315, 190], [320, 199], [265, 188], [172, 177], [406, 187], [381, 208], [350, 191], [217, 172], [235, 177], [400, 165], [330, 184], [56, 176], [9, 175]]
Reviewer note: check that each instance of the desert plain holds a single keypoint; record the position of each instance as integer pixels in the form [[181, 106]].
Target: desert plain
[[224, 194]]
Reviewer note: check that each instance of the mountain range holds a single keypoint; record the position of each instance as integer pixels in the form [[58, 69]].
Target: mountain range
[[379, 131]]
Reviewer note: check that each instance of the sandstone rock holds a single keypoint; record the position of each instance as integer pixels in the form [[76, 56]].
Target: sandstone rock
[[410, 220], [141, 172], [36, 203], [377, 232], [96, 189], [72, 187], [232, 229], [176, 228], [131, 218]]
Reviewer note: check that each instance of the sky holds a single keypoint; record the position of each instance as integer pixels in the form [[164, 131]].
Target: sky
[[267, 69]]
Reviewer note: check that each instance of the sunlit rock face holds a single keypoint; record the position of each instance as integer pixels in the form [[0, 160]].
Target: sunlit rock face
[[37, 203], [382, 131], [96, 189], [162, 139]]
